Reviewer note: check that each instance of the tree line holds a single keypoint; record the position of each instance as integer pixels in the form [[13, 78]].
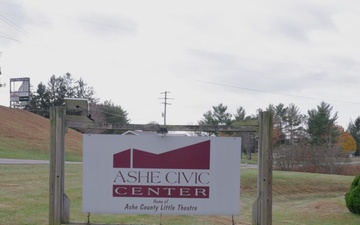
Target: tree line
[[300, 140], [310, 142], [60, 87]]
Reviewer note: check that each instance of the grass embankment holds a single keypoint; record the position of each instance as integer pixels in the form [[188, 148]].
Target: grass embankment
[[25, 135], [298, 198]]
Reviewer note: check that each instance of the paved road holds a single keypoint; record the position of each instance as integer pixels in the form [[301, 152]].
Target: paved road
[[29, 161], [248, 166]]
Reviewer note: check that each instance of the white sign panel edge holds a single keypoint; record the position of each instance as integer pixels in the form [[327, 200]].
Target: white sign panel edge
[[156, 175]]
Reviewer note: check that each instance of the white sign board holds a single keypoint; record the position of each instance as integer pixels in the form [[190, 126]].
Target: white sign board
[[152, 174]]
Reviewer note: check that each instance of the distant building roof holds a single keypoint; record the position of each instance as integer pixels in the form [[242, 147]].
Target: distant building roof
[[140, 132]]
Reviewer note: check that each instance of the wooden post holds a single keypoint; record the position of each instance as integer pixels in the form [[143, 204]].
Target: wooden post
[[262, 207], [58, 202]]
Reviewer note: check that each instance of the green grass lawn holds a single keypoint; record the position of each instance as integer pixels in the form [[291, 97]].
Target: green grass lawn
[[298, 198], [253, 160], [21, 151]]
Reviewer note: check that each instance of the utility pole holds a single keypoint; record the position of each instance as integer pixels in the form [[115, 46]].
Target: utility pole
[[1, 85], [165, 104], [0, 66]]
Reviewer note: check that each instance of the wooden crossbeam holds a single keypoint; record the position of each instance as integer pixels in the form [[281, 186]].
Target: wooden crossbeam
[[154, 127]]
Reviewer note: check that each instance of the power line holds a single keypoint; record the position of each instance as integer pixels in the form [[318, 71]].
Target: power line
[[14, 25], [10, 38], [264, 91]]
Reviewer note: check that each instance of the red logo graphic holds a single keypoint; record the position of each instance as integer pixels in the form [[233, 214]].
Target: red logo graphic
[[195, 156], [171, 184]]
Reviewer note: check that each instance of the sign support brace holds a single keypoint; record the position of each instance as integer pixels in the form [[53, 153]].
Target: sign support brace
[[59, 204], [262, 207]]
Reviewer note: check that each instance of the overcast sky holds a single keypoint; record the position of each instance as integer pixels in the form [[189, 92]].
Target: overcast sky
[[239, 53]]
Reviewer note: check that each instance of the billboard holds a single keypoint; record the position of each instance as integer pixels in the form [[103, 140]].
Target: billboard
[[154, 174], [19, 91]]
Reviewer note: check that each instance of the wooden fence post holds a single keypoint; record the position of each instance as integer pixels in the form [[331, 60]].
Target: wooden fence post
[[58, 202], [262, 207]]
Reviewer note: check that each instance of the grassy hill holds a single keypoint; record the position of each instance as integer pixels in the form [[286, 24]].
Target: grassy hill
[[24, 135]]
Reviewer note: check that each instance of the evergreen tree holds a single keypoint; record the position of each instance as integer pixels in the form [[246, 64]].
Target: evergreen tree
[[321, 125], [240, 114], [60, 88], [354, 129], [40, 101], [57, 89], [83, 90], [221, 116], [279, 113], [293, 123], [218, 116], [113, 113]]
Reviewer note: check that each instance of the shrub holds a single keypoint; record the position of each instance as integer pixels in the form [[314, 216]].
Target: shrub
[[352, 197], [304, 157]]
